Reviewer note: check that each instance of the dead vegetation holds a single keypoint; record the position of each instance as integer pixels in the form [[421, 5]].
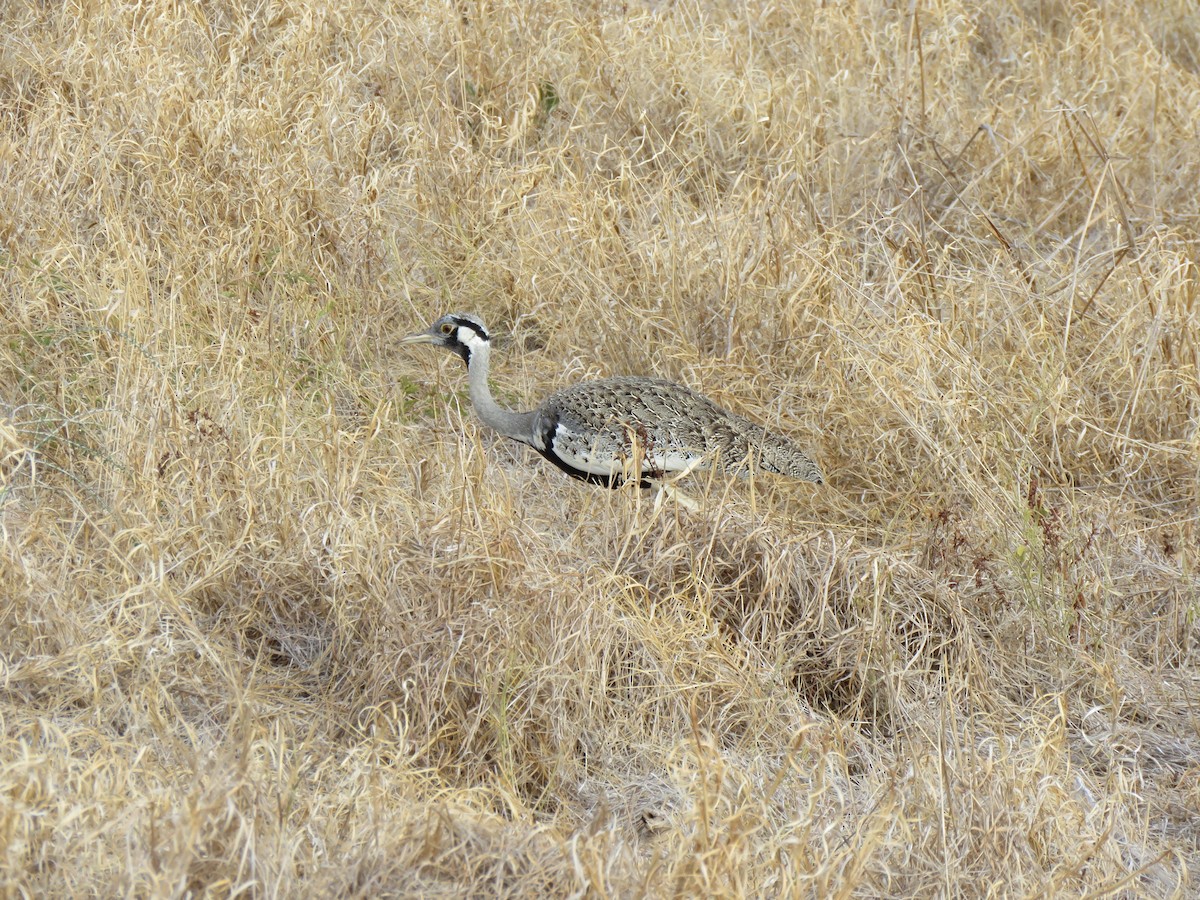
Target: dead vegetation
[[278, 618]]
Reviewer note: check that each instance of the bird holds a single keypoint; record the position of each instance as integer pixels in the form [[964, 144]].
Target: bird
[[606, 430]]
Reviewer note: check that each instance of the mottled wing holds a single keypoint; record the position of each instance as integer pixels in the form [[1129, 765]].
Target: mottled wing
[[597, 429]]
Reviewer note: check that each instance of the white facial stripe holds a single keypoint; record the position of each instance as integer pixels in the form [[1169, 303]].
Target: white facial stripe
[[470, 337]]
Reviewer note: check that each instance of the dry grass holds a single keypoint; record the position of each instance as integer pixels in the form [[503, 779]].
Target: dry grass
[[277, 617]]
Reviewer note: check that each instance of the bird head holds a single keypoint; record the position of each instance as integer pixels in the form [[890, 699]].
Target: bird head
[[461, 332]]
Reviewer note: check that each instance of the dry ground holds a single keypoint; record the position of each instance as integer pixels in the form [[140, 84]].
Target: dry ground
[[278, 618]]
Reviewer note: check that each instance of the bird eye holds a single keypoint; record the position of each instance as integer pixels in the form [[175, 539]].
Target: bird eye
[[447, 328]]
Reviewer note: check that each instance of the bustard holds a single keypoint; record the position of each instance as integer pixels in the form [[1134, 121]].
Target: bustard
[[598, 430]]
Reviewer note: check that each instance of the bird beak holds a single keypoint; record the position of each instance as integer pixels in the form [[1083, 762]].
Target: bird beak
[[421, 337]]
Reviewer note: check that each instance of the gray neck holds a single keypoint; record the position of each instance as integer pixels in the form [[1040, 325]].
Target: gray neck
[[516, 425]]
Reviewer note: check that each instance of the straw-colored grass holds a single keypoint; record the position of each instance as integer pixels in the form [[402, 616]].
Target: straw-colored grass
[[278, 617]]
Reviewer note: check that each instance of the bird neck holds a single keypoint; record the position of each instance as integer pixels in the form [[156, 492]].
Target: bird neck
[[516, 425]]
